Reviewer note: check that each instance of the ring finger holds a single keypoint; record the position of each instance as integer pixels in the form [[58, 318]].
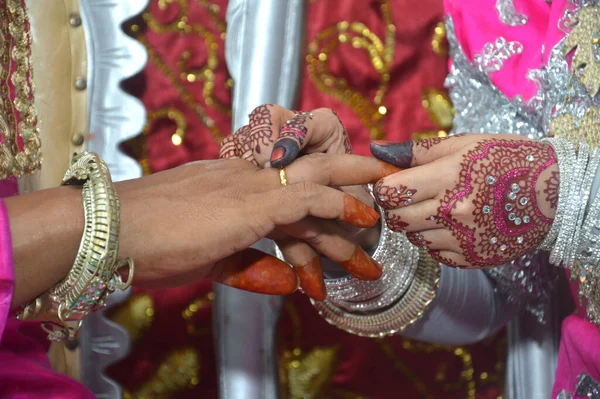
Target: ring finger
[[329, 239], [413, 218], [438, 240]]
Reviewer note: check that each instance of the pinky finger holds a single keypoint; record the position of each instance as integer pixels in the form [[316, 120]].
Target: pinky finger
[[307, 264], [229, 147], [255, 271]]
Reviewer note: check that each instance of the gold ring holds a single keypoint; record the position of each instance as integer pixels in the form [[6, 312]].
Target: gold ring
[[282, 177]]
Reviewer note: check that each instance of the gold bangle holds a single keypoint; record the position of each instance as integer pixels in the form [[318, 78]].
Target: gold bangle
[[94, 273], [282, 177]]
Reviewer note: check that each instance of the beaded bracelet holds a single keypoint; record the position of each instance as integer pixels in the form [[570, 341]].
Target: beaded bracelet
[[94, 273]]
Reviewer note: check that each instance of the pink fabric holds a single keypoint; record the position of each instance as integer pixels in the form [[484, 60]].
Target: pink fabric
[[25, 371], [7, 275], [476, 23], [579, 352]]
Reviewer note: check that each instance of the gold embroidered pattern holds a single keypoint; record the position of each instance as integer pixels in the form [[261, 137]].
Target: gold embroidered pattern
[[194, 307], [20, 145], [307, 375], [369, 111], [439, 42], [135, 315], [436, 102], [468, 379], [568, 126], [178, 372], [585, 36], [183, 77]]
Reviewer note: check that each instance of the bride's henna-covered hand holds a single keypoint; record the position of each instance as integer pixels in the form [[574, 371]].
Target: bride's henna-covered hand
[[276, 137], [474, 200]]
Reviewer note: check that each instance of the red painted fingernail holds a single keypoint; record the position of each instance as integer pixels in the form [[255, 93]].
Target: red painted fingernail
[[362, 266], [256, 271], [311, 279], [376, 264], [358, 214], [278, 154]]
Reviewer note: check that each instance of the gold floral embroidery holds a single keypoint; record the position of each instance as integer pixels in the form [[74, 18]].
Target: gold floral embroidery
[[436, 102], [177, 373], [20, 144], [369, 110], [308, 374], [567, 126], [585, 37], [439, 42], [190, 311], [135, 315]]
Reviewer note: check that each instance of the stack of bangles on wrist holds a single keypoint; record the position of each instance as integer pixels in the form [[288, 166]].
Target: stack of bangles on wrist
[[386, 306], [574, 239], [94, 273]]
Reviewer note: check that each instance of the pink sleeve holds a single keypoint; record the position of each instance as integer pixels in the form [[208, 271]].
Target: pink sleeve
[[7, 275]]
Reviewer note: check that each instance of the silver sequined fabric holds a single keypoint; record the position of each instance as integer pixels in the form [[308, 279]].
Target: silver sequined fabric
[[586, 387], [509, 15]]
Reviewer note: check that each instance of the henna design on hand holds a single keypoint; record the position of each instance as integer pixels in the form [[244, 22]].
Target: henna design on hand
[[498, 178], [428, 143], [418, 240], [291, 137], [295, 127], [390, 197], [394, 222], [551, 190], [347, 143], [261, 129], [445, 261], [250, 138]]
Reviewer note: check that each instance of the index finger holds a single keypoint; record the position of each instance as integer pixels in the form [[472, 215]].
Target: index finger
[[320, 130], [330, 170]]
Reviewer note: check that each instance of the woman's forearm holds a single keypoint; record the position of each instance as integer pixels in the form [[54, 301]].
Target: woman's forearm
[[46, 229]]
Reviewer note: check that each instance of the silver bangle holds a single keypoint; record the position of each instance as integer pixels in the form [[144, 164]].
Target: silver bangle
[[398, 258], [403, 313], [565, 154]]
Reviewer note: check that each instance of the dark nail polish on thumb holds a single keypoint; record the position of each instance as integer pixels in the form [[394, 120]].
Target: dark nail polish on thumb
[[398, 154], [284, 152]]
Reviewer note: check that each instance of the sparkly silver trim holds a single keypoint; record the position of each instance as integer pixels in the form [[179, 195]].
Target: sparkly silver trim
[[527, 282], [480, 106], [494, 54], [509, 15], [586, 387]]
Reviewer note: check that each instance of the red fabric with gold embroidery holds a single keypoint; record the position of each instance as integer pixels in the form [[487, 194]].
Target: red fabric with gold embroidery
[[371, 61]]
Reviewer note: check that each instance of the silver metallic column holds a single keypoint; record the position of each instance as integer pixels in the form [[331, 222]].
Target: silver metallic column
[[264, 51], [114, 116]]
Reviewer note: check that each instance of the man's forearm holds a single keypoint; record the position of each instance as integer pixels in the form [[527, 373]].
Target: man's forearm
[[46, 228]]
